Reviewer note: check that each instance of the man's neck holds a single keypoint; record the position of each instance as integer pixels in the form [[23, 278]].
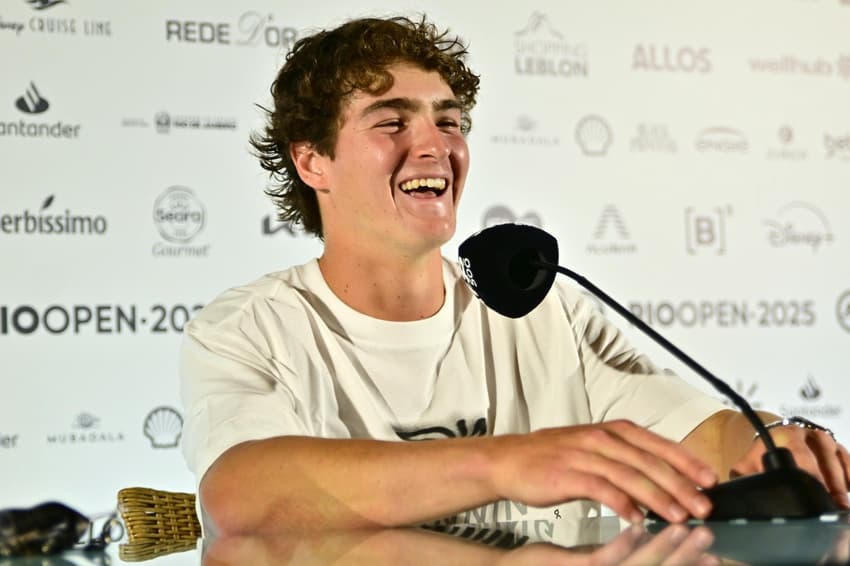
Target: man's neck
[[397, 289]]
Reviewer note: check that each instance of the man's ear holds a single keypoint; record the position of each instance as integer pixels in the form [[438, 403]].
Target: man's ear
[[308, 162]]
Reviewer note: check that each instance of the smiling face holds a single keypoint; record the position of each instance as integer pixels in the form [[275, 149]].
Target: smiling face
[[398, 169]]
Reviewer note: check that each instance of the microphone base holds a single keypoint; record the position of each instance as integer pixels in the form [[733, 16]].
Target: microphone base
[[787, 493]]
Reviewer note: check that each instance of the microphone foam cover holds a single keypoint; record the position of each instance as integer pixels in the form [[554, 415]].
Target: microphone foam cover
[[497, 264]]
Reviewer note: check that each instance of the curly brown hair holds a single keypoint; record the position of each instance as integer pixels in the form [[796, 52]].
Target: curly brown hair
[[321, 71]]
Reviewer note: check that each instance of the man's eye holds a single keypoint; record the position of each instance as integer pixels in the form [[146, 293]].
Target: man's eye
[[391, 124], [448, 124]]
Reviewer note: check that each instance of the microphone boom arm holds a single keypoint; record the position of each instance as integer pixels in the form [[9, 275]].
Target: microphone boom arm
[[718, 384]]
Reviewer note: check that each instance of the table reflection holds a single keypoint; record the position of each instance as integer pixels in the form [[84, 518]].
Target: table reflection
[[603, 541], [634, 545], [597, 541]]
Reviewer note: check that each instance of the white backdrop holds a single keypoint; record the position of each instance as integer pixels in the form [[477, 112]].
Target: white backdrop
[[693, 159]]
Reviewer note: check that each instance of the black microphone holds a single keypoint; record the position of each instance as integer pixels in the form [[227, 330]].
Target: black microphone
[[503, 275], [511, 268]]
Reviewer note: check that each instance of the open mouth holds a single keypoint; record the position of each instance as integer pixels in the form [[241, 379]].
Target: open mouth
[[427, 185]]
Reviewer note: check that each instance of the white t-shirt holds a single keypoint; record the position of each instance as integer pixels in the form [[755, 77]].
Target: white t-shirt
[[285, 356]]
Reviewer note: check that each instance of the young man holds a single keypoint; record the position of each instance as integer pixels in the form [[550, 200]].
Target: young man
[[308, 390]]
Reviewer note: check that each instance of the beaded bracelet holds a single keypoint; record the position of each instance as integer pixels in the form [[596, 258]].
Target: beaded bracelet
[[799, 422]]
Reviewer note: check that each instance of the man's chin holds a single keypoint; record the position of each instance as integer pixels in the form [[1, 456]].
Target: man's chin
[[444, 234], [433, 238]]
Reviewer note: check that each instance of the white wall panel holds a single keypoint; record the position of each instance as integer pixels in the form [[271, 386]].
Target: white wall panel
[[663, 76]]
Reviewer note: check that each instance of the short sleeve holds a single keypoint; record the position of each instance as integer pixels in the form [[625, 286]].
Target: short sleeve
[[233, 389], [622, 383]]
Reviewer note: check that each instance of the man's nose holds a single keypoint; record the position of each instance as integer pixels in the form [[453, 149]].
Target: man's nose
[[429, 141]]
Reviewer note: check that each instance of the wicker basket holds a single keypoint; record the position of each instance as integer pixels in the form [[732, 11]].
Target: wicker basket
[[152, 515]]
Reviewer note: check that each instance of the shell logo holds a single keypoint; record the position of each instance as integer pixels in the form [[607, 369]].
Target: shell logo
[[593, 135], [163, 426]]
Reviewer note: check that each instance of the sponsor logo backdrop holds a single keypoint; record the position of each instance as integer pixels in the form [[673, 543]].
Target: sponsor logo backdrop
[[693, 165]]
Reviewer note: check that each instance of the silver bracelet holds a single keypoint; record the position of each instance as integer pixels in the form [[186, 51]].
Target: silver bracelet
[[799, 422]]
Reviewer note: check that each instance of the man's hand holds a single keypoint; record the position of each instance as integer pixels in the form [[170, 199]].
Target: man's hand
[[617, 463], [814, 451]]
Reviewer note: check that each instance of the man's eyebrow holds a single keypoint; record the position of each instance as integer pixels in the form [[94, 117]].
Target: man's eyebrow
[[409, 105], [447, 104]]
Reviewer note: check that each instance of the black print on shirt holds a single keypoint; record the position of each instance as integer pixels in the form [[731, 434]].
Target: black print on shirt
[[492, 537], [462, 430]]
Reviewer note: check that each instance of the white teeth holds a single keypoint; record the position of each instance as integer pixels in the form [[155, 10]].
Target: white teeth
[[431, 183]]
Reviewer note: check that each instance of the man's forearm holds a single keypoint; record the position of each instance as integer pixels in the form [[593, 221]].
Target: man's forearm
[[309, 484], [723, 439], [300, 483]]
